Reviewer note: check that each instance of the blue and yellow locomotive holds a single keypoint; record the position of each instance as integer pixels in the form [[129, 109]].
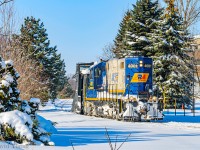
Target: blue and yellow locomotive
[[117, 88]]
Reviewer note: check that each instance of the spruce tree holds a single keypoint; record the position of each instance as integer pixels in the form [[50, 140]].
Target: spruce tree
[[55, 68], [120, 39], [35, 41], [4, 87], [9, 94], [135, 32], [36, 46], [172, 67], [11, 76]]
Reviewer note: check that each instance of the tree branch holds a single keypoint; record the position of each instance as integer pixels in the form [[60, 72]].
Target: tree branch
[[5, 1]]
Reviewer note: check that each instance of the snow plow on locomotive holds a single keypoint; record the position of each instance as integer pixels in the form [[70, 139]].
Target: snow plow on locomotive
[[118, 88]]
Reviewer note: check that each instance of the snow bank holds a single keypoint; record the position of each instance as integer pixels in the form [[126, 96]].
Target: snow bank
[[17, 120], [48, 106]]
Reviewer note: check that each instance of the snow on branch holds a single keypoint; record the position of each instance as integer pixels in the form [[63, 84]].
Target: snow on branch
[[21, 122]]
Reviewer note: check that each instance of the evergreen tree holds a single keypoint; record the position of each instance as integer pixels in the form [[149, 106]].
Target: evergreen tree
[[55, 68], [9, 94], [36, 46], [12, 76], [120, 39], [4, 86], [136, 28], [40, 135], [35, 41], [172, 67]]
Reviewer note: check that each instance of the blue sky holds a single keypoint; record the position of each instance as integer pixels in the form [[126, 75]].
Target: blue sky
[[79, 28]]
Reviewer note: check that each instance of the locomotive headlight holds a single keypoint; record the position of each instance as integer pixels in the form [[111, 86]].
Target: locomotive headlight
[[141, 63]]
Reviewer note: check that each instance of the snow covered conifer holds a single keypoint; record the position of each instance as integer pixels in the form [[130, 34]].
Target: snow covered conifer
[[36, 45], [11, 77], [9, 93], [172, 67], [137, 30], [55, 69], [40, 135], [120, 40]]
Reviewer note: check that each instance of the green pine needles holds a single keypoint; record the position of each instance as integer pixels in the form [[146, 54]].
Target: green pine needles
[[151, 31], [36, 46]]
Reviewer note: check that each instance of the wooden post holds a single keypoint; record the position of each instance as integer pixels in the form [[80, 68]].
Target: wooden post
[[175, 107]]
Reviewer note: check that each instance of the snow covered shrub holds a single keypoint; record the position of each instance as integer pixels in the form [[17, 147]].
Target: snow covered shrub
[[40, 135], [34, 106], [25, 107], [16, 126], [19, 126]]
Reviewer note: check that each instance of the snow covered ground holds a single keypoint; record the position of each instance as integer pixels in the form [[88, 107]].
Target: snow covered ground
[[88, 133]]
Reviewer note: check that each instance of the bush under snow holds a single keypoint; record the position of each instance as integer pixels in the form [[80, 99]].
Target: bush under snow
[[20, 123], [19, 128]]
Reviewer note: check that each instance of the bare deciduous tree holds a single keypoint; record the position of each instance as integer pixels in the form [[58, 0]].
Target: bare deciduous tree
[[5, 2], [189, 10], [108, 52], [30, 83]]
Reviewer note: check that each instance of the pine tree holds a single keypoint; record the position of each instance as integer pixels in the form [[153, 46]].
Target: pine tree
[[12, 76], [172, 68], [35, 39], [37, 47], [40, 136], [9, 94], [55, 69], [136, 28], [120, 39]]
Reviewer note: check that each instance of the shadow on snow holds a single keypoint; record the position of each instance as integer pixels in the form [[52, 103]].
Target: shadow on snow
[[84, 136]]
